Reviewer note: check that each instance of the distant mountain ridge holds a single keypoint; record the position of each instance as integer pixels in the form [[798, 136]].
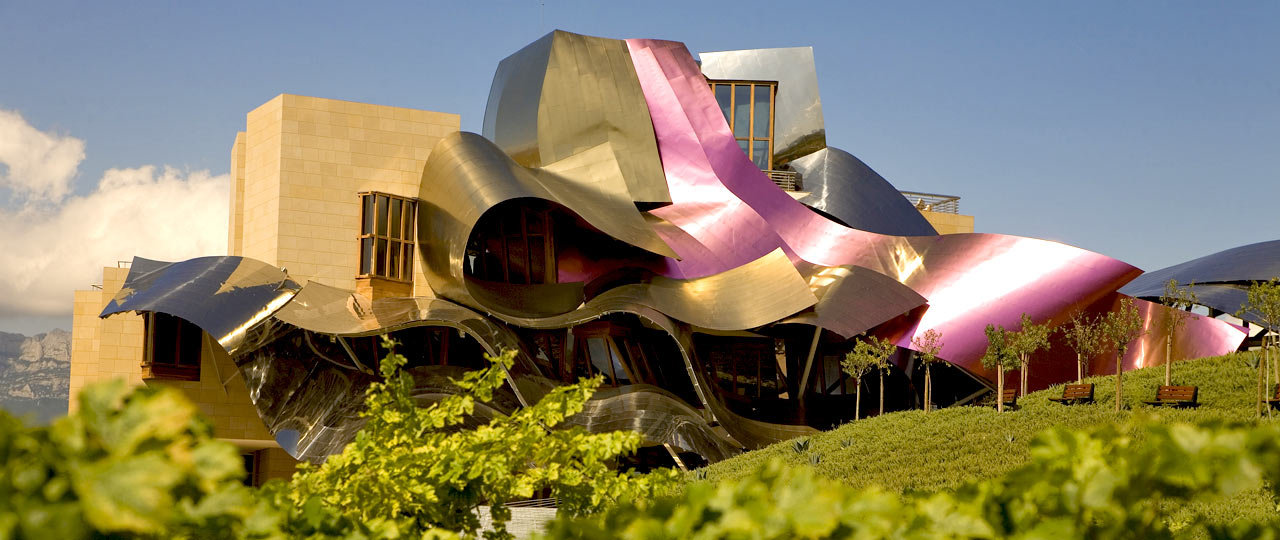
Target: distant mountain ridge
[[35, 374]]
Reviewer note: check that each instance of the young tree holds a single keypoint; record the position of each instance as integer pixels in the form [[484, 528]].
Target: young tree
[[1264, 301], [856, 364], [1084, 335], [1026, 342], [999, 356], [1119, 328], [866, 355], [928, 345], [1180, 300], [414, 464]]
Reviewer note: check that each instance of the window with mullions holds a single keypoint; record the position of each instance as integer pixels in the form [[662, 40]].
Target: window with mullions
[[516, 247], [748, 106], [173, 348], [386, 236]]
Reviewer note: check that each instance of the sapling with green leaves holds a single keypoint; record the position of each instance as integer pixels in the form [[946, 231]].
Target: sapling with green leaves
[[1179, 300], [1000, 356], [1119, 329], [417, 465], [867, 354], [1033, 337], [1084, 336], [928, 346], [1263, 301]]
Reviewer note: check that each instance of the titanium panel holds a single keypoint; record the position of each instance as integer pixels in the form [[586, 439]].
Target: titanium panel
[[842, 186], [567, 94], [852, 299], [1252, 262], [970, 280], [224, 296], [1221, 279], [467, 176], [798, 123], [751, 295], [311, 400]]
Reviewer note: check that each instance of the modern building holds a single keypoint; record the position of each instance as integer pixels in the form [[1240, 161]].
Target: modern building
[[301, 171], [680, 228]]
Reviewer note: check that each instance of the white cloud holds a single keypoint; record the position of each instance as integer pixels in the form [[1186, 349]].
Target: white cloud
[[39, 165], [53, 245]]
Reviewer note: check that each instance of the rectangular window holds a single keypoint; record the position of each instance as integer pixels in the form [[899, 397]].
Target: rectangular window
[[748, 107], [386, 236], [173, 348]]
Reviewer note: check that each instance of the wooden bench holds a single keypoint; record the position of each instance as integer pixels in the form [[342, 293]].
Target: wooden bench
[[1275, 400], [1075, 393], [1176, 396], [1010, 398]]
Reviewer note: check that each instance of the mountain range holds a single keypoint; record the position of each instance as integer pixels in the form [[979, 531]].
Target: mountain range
[[35, 374]]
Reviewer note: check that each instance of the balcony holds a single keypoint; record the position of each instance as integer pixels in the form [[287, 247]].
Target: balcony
[[932, 202], [787, 180]]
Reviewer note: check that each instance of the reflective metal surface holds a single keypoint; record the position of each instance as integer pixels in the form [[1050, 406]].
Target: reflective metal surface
[[798, 123], [844, 187], [1221, 279], [970, 280], [571, 104], [591, 127], [467, 176], [224, 296]]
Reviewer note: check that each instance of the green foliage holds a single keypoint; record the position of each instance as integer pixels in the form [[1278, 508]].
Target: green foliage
[[1122, 326], [1000, 353], [1180, 300], [128, 463], [928, 345], [1102, 483], [428, 474], [139, 462], [910, 451], [1031, 338], [1264, 301], [1119, 329], [867, 354], [1084, 336]]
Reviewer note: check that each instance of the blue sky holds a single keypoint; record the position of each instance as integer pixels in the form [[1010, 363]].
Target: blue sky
[[1147, 131]]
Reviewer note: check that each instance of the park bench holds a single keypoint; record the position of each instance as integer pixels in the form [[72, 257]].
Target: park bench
[[1010, 398], [1177, 396], [1075, 393], [1275, 400]]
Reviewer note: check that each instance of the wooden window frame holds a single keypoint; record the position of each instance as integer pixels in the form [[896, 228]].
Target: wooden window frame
[[179, 367], [751, 137], [405, 244], [549, 263]]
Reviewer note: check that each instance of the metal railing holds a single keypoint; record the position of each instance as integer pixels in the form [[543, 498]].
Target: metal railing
[[933, 202], [787, 180]]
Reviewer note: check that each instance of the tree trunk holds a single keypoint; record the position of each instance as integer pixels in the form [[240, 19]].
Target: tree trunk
[[928, 389], [1119, 377], [1000, 389], [882, 392], [1026, 365], [1079, 368], [857, 407], [1262, 366], [1168, 359]]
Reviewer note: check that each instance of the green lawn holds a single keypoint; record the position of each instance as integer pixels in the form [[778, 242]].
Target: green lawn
[[912, 450]]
